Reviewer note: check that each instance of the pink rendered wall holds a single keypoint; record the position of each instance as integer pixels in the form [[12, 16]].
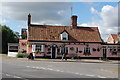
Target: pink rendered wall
[[109, 54], [81, 48], [21, 42]]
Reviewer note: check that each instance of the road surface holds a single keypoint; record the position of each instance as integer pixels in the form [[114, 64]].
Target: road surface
[[23, 68]]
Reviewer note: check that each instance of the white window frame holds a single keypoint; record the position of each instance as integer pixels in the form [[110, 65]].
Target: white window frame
[[85, 49], [33, 47], [38, 47], [64, 35]]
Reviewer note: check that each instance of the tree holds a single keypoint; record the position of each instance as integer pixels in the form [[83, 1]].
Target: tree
[[8, 36]]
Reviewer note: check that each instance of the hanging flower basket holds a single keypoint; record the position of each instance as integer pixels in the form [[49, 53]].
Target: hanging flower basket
[[87, 54], [48, 52], [80, 51], [46, 45], [114, 53], [24, 44], [98, 49], [49, 49], [72, 48], [94, 49]]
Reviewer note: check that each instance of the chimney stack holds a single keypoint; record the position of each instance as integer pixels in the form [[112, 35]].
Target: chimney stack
[[29, 19], [74, 21]]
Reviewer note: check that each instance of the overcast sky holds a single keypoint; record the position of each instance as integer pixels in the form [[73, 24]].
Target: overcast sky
[[103, 15]]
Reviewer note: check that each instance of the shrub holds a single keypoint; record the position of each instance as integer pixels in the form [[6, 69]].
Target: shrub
[[73, 55], [22, 55]]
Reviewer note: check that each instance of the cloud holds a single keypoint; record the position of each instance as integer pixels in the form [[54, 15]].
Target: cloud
[[107, 22], [93, 11], [3, 21], [42, 12]]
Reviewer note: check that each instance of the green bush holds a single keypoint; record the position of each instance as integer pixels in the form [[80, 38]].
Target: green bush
[[22, 55]]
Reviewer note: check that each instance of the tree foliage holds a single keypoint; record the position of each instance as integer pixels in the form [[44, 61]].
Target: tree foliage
[[8, 36]]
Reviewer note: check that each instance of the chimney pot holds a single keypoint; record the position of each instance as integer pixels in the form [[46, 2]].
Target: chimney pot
[[29, 19]]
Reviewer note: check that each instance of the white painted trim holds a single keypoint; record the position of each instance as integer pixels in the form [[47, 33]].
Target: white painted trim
[[51, 52], [33, 47], [56, 53], [42, 48], [64, 33]]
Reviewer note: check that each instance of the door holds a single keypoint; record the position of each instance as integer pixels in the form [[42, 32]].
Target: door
[[104, 52], [53, 52]]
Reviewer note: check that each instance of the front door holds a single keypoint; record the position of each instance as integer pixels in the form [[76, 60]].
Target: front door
[[53, 52], [104, 52]]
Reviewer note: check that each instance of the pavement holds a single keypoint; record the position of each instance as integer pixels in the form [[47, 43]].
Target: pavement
[[72, 60]]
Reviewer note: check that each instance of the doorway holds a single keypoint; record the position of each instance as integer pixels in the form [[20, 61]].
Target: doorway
[[53, 52], [104, 52]]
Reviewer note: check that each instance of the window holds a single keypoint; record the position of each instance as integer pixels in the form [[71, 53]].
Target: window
[[118, 49], [37, 48], [13, 48], [114, 49], [76, 49], [86, 49], [64, 50], [110, 49], [64, 36]]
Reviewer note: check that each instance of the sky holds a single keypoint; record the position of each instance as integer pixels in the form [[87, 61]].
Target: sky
[[103, 15]]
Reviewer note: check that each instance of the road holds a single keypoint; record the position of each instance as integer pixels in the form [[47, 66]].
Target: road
[[23, 68]]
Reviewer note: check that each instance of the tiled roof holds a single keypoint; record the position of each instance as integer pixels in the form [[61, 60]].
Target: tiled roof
[[114, 36], [52, 33]]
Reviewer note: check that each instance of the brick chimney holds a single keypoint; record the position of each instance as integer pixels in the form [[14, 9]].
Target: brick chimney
[[29, 19], [74, 21]]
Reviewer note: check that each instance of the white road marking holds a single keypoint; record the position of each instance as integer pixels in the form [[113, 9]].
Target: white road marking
[[42, 68], [101, 76], [12, 75], [90, 75], [76, 73], [16, 77], [7, 75], [61, 71], [33, 67], [27, 66], [58, 70], [49, 69]]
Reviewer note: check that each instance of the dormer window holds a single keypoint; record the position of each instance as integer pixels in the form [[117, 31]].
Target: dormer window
[[64, 36]]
